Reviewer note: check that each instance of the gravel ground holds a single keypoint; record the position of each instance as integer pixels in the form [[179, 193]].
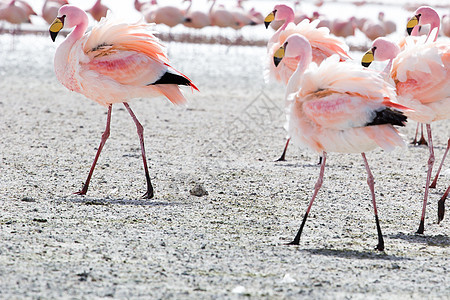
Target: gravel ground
[[228, 244]]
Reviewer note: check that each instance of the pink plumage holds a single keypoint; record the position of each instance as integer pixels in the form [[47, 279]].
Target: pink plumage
[[339, 107], [114, 63]]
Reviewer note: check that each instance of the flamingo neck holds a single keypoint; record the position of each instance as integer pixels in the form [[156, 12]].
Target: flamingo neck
[[387, 70], [276, 35], [296, 78], [212, 5], [63, 51]]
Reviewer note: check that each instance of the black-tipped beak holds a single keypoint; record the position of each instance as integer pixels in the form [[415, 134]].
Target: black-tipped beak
[[56, 27], [53, 35], [278, 55], [368, 57], [270, 17], [277, 60], [414, 21]]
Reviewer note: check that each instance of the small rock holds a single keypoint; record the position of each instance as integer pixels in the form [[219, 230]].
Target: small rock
[[198, 191], [27, 199], [40, 220]]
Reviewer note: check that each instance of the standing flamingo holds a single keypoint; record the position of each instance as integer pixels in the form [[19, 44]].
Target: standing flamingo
[[98, 11], [114, 63], [422, 78], [196, 19], [323, 45], [50, 9], [339, 107]]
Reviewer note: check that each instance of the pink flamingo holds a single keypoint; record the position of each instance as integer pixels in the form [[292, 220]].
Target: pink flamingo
[[322, 43], [98, 11], [221, 17], [373, 29], [50, 9], [196, 19], [421, 75], [15, 13], [446, 25], [343, 28], [339, 107], [114, 63], [168, 15]]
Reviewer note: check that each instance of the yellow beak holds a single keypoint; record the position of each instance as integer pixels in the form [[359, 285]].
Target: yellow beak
[[56, 27], [270, 17], [414, 21], [367, 58], [278, 56]]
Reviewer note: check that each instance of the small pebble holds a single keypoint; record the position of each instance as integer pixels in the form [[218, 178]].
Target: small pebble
[[198, 191]]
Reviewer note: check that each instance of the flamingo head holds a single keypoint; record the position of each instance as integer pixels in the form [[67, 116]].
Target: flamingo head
[[382, 49], [280, 12], [294, 46], [68, 16], [423, 15]]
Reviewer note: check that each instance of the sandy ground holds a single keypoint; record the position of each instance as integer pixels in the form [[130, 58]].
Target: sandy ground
[[228, 244]]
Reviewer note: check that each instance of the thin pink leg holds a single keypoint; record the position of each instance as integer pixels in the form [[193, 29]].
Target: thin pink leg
[[441, 205], [319, 182], [283, 156], [140, 131], [105, 136], [414, 142], [433, 184], [371, 183], [427, 183], [422, 140]]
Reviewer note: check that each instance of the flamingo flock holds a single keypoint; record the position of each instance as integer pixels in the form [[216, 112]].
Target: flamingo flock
[[336, 106], [222, 14], [333, 103]]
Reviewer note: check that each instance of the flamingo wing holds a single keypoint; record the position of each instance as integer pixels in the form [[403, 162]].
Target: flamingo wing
[[125, 66], [340, 111]]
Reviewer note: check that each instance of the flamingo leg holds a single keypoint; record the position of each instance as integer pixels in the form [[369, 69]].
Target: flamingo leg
[[140, 131], [283, 156], [441, 207], [371, 183], [105, 136], [427, 183], [422, 140], [414, 142], [319, 182], [433, 184]]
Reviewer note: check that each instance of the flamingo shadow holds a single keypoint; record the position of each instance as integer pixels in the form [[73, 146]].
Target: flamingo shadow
[[108, 201], [352, 254], [439, 240]]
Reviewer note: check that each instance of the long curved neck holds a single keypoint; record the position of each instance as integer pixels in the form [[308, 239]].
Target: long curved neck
[[212, 5], [296, 78], [276, 35], [386, 73], [62, 53], [434, 24]]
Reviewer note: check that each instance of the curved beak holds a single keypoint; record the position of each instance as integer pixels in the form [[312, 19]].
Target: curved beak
[[56, 27], [278, 55], [414, 21], [270, 17], [367, 58]]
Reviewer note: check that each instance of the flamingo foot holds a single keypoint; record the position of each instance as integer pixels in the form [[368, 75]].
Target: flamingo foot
[[282, 157], [441, 205], [294, 243], [414, 142], [82, 192], [149, 194], [422, 141], [441, 209], [421, 227]]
